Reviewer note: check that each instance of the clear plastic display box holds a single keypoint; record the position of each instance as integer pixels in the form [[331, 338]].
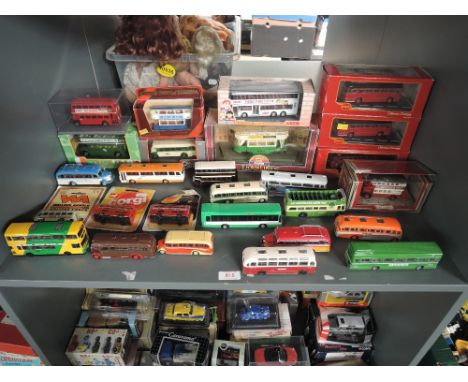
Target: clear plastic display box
[[146, 71], [285, 351], [90, 111]]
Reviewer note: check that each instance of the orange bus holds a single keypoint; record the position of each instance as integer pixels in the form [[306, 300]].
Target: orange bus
[[367, 227], [151, 172]]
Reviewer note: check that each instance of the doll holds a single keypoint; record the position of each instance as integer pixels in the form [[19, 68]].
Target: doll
[[206, 45]]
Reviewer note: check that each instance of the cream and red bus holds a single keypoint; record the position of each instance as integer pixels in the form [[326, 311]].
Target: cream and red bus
[[151, 172]]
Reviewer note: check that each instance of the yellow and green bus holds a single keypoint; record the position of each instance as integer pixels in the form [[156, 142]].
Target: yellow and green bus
[[405, 255], [241, 215], [47, 238], [306, 203]]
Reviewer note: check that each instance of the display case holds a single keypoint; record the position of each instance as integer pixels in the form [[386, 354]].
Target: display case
[[255, 148], [228, 353], [381, 185], [183, 314], [265, 101], [374, 90], [329, 161], [253, 311], [89, 110], [357, 299], [367, 132], [285, 351], [107, 148]]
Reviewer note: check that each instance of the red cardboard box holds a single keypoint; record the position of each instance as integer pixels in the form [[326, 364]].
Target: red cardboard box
[[328, 161], [367, 132], [182, 106], [382, 185], [374, 90]]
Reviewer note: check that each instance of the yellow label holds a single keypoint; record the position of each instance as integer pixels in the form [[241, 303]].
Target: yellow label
[[342, 126], [166, 70], [143, 131]]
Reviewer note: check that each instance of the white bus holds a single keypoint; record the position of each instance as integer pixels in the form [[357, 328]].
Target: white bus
[[277, 100], [178, 148], [278, 260], [151, 172], [214, 171], [55, 216], [262, 140], [280, 181], [240, 192], [171, 117]]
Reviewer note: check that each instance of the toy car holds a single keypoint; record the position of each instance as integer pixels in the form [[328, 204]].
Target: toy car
[[275, 355], [255, 312], [185, 311]]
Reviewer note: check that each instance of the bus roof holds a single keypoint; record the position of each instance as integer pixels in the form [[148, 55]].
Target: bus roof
[[188, 237], [281, 175], [241, 208], [123, 239], [312, 196], [395, 249], [151, 166], [367, 221], [236, 185], [94, 101], [304, 232], [259, 86], [214, 165], [171, 107], [78, 169], [249, 130], [43, 228], [173, 143]]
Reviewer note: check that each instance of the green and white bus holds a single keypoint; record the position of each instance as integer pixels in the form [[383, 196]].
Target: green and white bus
[[411, 255], [241, 215], [304, 203]]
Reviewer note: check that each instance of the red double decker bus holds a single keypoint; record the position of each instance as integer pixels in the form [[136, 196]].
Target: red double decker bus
[[95, 111], [123, 215], [170, 214], [373, 93], [313, 236]]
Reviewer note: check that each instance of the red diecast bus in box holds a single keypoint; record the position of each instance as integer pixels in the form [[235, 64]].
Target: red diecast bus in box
[[365, 129], [384, 186], [95, 111], [369, 93], [170, 214], [315, 236], [123, 215], [135, 246]]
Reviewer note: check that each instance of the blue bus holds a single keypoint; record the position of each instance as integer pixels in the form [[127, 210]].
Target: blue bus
[[83, 174]]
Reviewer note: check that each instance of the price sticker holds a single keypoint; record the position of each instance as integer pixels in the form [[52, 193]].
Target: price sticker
[[229, 275]]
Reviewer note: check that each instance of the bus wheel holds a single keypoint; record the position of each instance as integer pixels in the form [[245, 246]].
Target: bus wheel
[[117, 154], [85, 154], [132, 181], [350, 135], [283, 114], [358, 100], [244, 115], [72, 183], [29, 254], [273, 114], [380, 134], [261, 273], [262, 226], [104, 123], [262, 201], [394, 239], [76, 123], [302, 272], [184, 155], [137, 257], [228, 201], [354, 237], [165, 181], [375, 268], [195, 253], [96, 257], [224, 226], [419, 267], [366, 195], [67, 253], [390, 99], [303, 215], [161, 251]]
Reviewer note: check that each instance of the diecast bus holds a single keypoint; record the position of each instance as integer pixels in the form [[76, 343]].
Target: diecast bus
[[279, 180], [55, 216], [102, 147], [173, 148], [123, 215], [278, 260], [363, 129], [134, 246], [186, 243], [411, 255], [373, 93], [171, 117], [384, 186], [239, 192], [313, 236], [214, 171], [170, 213], [312, 203], [256, 99], [241, 215], [83, 174], [47, 238], [264, 140], [367, 227], [151, 172], [95, 111]]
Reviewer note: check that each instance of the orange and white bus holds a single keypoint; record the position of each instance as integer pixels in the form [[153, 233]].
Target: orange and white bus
[[151, 172], [368, 227], [186, 243]]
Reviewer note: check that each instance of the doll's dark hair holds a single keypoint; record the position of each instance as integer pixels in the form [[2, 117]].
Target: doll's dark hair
[[157, 36]]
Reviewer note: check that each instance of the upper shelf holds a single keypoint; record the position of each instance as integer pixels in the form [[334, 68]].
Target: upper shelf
[[201, 272]]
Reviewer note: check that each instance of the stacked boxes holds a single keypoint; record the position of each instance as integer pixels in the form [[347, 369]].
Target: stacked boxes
[[368, 112]]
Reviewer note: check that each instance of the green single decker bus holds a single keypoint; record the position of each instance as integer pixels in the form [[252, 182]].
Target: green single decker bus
[[241, 215], [412, 255], [304, 203]]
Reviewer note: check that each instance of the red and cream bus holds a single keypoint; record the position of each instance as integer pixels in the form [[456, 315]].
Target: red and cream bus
[[95, 111], [313, 236], [278, 260]]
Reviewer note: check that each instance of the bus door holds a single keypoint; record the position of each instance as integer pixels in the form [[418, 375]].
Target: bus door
[[256, 109]]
